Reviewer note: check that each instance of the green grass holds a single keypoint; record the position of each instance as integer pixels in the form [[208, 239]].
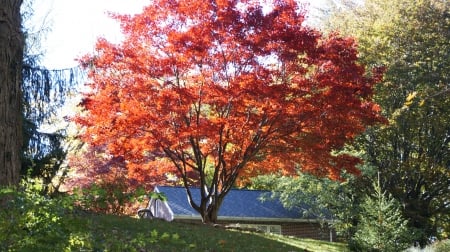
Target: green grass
[[113, 233], [315, 245], [30, 221]]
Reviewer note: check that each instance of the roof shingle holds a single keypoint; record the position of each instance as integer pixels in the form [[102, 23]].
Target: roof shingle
[[237, 203]]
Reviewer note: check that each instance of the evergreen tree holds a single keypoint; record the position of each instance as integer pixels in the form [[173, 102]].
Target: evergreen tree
[[44, 92], [382, 226]]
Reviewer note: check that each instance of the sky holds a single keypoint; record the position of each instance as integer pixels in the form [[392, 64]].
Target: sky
[[75, 26]]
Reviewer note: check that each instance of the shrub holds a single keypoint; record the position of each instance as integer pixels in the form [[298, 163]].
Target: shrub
[[108, 196], [30, 221]]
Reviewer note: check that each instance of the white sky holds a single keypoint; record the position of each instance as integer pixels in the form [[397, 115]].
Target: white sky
[[76, 24]]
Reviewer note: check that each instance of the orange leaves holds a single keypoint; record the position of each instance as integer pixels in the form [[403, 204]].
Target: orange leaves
[[222, 89]]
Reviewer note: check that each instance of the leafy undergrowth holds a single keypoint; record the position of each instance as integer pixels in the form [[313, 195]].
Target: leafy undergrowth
[[113, 233]]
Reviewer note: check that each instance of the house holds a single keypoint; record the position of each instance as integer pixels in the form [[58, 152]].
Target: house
[[242, 208]]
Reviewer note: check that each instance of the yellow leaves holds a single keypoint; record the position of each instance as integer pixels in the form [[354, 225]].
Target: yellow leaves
[[265, 129], [410, 99], [411, 96]]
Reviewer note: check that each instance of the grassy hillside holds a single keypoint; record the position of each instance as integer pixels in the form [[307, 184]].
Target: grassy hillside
[[32, 222], [112, 233]]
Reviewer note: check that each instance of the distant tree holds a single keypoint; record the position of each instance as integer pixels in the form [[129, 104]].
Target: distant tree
[[226, 90], [336, 203], [101, 182], [411, 39], [11, 56], [91, 164]]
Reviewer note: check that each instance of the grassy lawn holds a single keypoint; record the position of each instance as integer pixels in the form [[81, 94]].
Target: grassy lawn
[[113, 233], [32, 222]]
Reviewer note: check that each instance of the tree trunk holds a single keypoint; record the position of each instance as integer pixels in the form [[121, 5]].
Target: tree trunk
[[11, 56], [210, 212], [210, 215]]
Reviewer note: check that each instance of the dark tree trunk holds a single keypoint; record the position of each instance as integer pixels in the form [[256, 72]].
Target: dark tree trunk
[[11, 56], [209, 204], [210, 211], [209, 216]]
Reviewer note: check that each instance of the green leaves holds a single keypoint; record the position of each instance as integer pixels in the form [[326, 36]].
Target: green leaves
[[410, 38], [108, 197], [28, 218], [381, 226], [158, 195]]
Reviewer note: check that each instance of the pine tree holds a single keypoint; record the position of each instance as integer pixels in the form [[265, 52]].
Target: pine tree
[[382, 226]]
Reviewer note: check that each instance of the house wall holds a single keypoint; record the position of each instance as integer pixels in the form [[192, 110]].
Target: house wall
[[311, 230], [308, 230]]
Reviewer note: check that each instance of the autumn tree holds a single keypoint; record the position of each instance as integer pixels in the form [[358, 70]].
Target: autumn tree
[[225, 90], [411, 39]]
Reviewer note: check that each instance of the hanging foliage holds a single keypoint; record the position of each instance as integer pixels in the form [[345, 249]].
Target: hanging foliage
[[44, 92]]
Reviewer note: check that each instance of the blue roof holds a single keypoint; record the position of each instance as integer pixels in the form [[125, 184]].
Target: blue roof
[[238, 203]]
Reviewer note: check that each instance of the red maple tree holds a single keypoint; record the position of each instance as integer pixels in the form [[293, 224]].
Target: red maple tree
[[226, 90]]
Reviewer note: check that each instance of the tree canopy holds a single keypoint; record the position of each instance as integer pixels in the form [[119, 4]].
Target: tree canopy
[[411, 39], [226, 90]]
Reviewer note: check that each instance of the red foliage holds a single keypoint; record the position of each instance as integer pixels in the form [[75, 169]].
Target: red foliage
[[95, 166], [102, 184], [226, 90]]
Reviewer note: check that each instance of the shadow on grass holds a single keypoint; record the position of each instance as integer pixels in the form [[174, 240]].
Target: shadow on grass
[[113, 233]]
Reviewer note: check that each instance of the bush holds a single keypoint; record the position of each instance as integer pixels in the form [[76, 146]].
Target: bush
[[30, 221], [109, 197]]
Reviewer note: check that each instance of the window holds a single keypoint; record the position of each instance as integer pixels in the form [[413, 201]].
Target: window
[[273, 229]]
